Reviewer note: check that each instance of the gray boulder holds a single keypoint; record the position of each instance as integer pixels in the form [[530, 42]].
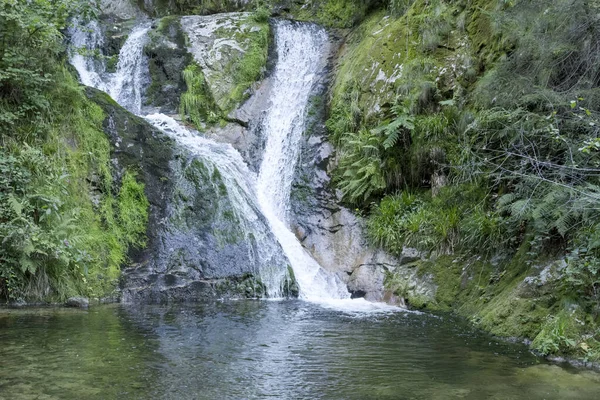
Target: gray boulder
[[77, 302]]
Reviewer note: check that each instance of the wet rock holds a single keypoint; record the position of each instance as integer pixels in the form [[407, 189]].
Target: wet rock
[[367, 279], [409, 255], [119, 9], [195, 240], [392, 299], [77, 302], [415, 289], [218, 44], [543, 280], [167, 57], [159, 8]]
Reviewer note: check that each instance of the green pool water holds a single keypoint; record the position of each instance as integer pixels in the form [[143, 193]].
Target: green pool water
[[267, 350]]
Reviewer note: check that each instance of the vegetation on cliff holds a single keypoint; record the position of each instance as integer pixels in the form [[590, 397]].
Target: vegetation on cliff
[[66, 219], [470, 129]]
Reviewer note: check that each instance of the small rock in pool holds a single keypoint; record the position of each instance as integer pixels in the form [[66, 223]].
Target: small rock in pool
[[80, 302]]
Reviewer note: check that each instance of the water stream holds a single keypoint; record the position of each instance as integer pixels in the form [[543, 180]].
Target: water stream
[[300, 53], [300, 50]]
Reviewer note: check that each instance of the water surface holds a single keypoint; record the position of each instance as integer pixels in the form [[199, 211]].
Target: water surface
[[266, 349]]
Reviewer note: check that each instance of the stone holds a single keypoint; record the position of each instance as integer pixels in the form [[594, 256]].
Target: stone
[[77, 302], [218, 44], [167, 57], [409, 255], [195, 242], [368, 279]]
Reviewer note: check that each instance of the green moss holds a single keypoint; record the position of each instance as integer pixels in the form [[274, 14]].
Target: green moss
[[331, 13], [88, 224], [197, 104], [209, 98], [252, 64], [133, 210], [167, 56]]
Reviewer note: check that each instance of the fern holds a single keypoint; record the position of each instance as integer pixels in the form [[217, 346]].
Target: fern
[[392, 131]]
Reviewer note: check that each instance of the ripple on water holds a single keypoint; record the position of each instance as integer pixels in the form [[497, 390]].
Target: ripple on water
[[266, 349]]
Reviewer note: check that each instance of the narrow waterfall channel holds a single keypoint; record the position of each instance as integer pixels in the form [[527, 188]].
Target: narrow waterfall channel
[[300, 59], [300, 49]]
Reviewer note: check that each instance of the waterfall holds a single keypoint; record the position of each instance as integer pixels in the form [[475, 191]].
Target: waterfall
[[240, 183], [85, 40], [127, 84], [131, 79], [300, 51], [299, 62]]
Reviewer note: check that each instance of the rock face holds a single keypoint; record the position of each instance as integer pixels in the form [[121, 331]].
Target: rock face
[[332, 233], [167, 58], [121, 9], [159, 8], [195, 248], [218, 43]]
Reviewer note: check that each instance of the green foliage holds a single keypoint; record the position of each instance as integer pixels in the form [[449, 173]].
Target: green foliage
[[555, 336], [132, 211], [392, 132], [197, 104], [204, 103], [63, 231], [345, 114], [30, 34], [455, 220], [262, 11], [64, 227], [361, 160], [189, 7], [371, 161], [399, 7], [251, 67]]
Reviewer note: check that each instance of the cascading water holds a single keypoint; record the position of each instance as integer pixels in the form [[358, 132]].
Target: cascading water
[[131, 78], [240, 183], [84, 40], [127, 84], [300, 61]]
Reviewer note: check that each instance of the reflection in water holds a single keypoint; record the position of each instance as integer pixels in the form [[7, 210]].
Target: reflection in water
[[265, 349]]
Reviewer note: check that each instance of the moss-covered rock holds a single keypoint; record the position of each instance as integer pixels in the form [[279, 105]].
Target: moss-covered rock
[[418, 59], [196, 245], [231, 51], [167, 58]]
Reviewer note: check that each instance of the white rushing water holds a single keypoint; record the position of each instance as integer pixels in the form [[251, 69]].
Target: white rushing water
[[300, 50], [85, 40], [131, 79], [127, 84], [240, 182]]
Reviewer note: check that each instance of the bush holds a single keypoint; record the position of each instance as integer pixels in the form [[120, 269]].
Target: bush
[[65, 226]]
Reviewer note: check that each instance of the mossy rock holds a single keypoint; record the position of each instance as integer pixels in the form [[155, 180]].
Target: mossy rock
[[167, 58], [230, 51]]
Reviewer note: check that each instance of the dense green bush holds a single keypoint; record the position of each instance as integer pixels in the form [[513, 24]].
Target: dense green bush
[[499, 157], [65, 222]]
